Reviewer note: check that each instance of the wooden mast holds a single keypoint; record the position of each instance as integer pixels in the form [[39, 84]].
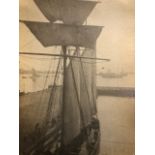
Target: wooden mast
[[64, 49]]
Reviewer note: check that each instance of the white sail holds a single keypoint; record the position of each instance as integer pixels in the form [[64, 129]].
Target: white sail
[[80, 100], [72, 108]]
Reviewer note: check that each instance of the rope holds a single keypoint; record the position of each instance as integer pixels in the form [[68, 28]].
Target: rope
[[86, 87], [50, 103], [46, 79], [94, 100], [39, 105], [52, 99], [76, 90]]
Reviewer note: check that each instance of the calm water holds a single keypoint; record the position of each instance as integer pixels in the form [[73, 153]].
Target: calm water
[[116, 116]]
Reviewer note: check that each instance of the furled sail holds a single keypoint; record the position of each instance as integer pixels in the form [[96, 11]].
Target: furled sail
[[88, 81], [93, 86], [60, 34], [72, 112], [66, 10], [80, 103]]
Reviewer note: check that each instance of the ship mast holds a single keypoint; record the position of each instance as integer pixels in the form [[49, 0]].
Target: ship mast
[[74, 34], [64, 49]]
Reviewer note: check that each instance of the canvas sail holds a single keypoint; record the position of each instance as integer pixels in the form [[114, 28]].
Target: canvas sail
[[72, 113], [65, 35], [88, 73], [66, 10], [80, 103], [93, 86]]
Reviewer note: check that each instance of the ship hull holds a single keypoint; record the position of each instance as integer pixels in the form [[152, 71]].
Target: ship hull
[[76, 148], [33, 143]]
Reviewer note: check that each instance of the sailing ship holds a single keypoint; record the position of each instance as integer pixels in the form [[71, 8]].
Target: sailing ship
[[62, 119]]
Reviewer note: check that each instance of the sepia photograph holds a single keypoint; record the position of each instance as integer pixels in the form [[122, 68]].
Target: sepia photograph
[[76, 77]]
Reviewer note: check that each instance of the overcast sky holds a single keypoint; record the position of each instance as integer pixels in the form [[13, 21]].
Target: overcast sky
[[115, 42]]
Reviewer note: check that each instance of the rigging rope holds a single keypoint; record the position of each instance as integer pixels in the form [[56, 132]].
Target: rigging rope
[[50, 103], [46, 79], [86, 87], [39, 109], [54, 103], [77, 95]]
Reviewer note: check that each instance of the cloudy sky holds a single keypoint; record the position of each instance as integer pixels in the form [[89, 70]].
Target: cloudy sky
[[115, 42]]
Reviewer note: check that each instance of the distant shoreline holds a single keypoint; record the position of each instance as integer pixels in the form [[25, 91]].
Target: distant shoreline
[[102, 91], [116, 91]]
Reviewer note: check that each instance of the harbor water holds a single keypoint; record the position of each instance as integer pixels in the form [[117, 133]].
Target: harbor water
[[117, 123]]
